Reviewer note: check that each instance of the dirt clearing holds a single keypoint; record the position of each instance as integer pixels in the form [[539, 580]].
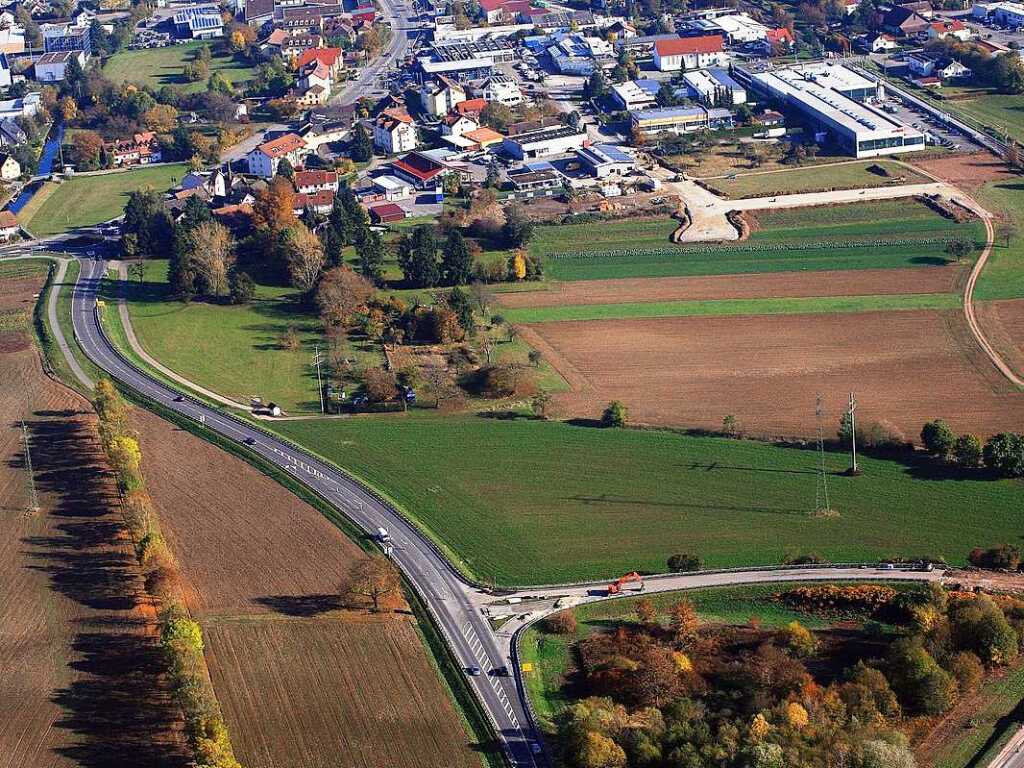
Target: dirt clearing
[[78, 656], [969, 172], [303, 684], [866, 282], [328, 693], [905, 367]]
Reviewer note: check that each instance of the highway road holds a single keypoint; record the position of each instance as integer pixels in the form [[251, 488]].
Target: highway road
[[459, 609]]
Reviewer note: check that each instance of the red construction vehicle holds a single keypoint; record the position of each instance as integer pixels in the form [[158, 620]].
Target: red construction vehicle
[[616, 586]]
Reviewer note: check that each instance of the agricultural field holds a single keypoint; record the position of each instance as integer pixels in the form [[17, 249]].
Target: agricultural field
[[906, 367], [157, 67], [78, 652], [87, 200], [586, 503], [857, 175], [999, 111], [262, 572], [878, 235]]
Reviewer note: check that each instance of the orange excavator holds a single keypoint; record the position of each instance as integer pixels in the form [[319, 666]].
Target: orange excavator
[[616, 586]]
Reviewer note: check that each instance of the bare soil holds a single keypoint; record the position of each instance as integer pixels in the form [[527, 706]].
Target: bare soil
[[303, 682], [905, 368], [864, 282], [1003, 323], [80, 681], [967, 171]]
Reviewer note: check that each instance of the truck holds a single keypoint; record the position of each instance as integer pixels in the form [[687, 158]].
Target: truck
[[382, 535]]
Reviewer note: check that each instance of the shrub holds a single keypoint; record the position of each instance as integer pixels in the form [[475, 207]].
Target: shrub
[[501, 380], [967, 451], [808, 558], [614, 415], [829, 598], [798, 640], [938, 438], [1001, 558], [561, 623], [1004, 453], [977, 624], [683, 562], [968, 671]]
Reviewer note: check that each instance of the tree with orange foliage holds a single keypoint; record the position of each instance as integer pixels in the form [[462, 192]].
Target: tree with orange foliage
[[372, 580], [274, 209], [684, 620], [646, 613]]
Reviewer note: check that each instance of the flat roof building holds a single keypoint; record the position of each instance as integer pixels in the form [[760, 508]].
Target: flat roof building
[[715, 87], [651, 122], [547, 141], [832, 98]]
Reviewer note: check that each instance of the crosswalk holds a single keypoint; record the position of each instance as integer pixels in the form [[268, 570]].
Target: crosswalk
[[477, 649]]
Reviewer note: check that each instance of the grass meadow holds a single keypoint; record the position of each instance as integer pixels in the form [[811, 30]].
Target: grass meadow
[[523, 501], [88, 200], [814, 179], [158, 67]]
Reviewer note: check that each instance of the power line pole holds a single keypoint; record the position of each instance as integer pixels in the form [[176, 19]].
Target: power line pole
[[853, 432], [319, 381], [821, 505], [33, 504]]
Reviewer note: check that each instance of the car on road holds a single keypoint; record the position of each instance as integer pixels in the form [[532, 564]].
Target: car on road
[[249, 441], [473, 671], [499, 672], [179, 399], [536, 748]]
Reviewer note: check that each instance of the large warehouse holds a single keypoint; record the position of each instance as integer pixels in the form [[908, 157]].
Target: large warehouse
[[833, 99]]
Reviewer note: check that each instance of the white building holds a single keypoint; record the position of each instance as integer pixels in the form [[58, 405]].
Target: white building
[[24, 107], [52, 67], [602, 160], [736, 28], [689, 53], [503, 89], [5, 71], [1007, 14], [715, 87], [576, 54], [940, 30], [393, 188], [10, 169], [394, 132], [200, 22], [440, 95], [547, 141], [636, 94], [311, 182], [458, 125], [832, 98], [264, 160]]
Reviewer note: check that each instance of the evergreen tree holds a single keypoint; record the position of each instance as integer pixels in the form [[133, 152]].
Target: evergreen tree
[[460, 302], [361, 149], [456, 260], [370, 250], [417, 257], [340, 221]]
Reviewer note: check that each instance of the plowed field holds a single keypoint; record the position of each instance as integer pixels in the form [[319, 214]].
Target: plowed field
[[78, 658], [1003, 323], [905, 368], [864, 282], [303, 684]]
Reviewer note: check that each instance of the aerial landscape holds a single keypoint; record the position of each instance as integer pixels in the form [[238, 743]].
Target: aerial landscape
[[512, 384]]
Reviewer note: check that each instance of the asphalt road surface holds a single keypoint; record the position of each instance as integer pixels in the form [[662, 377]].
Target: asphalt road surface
[[457, 607], [396, 49]]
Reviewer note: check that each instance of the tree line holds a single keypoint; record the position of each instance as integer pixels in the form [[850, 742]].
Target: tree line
[[181, 638]]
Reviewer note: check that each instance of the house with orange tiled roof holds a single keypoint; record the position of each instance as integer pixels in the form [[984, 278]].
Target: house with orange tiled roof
[[264, 160], [332, 58]]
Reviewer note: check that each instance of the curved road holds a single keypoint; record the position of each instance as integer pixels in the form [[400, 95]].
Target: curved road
[[459, 609]]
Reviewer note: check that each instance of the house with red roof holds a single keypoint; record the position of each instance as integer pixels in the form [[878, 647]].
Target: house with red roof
[[681, 53], [940, 30], [332, 58], [386, 213], [309, 182], [321, 202], [419, 169], [471, 107], [264, 160], [142, 149], [778, 41]]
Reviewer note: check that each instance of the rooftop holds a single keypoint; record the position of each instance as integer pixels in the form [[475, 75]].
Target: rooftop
[[685, 45], [282, 145]]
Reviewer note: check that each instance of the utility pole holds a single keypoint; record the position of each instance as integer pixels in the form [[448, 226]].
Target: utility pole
[[853, 432], [319, 381], [33, 503], [821, 502]]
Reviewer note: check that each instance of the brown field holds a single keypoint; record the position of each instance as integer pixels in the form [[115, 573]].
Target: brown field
[[79, 667], [302, 682], [1003, 323], [905, 367], [866, 282], [362, 690], [969, 172]]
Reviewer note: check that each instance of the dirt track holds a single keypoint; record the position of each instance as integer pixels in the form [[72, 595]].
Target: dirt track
[[905, 367], [864, 282], [77, 652], [302, 683]]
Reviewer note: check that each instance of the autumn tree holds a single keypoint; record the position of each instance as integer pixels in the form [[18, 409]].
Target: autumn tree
[[208, 251], [341, 295], [683, 619], [374, 580], [646, 613], [161, 118], [304, 254], [274, 208], [126, 461], [86, 147], [379, 384]]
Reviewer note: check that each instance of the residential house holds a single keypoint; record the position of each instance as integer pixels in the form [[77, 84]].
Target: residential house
[[142, 149], [258, 12], [883, 43], [482, 138], [313, 96], [310, 182], [52, 67], [292, 46], [322, 201], [394, 132], [689, 53], [924, 65], [457, 125], [503, 89], [11, 133], [778, 42], [330, 57], [27, 106], [315, 73], [439, 95], [10, 168], [271, 46], [263, 160], [471, 107], [8, 225], [905, 22], [940, 30]]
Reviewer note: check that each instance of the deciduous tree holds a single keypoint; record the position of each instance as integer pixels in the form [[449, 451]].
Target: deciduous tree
[[341, 295], [373, 580]]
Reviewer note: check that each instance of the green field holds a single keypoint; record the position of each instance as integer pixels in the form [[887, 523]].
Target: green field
[[1000, 111], [1003, 276], [523, 501], [875, 235], [721, 605], [727, 307], [233, 350], [814, 179], [158, 67], [87, 200]]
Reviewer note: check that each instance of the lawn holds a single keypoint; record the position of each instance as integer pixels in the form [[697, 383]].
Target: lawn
[[885, 234], [158, 67], [234, 350], [725, 307], [549, 653], [815, 179], [523, 501], [1003, 276], [87, 200]]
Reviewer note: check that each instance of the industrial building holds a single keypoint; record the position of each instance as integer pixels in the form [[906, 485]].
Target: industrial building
[[650, 122], [636, 94], [546, 141], [499, 50], [833, 99], [715, 88], [200, 22], [1007, 14]]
